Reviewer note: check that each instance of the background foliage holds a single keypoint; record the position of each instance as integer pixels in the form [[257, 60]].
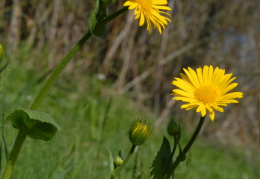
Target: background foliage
[[139, 67]]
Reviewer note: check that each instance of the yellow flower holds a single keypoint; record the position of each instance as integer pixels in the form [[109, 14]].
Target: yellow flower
[[149, 11], [205, 89]]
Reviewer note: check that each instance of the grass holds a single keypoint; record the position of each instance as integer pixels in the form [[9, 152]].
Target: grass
[[93, 119]]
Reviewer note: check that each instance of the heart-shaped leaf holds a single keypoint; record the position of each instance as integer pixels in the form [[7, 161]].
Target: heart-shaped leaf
[[38, 124]]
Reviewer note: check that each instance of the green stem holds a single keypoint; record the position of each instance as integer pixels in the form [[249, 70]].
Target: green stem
[[186, 149], [119, 168], [13, 156], [48, 84], [259, 118], [167, 164], [58, 71], [112, 16], [176, 141]]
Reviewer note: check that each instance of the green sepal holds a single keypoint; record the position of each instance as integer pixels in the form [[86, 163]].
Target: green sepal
[[99, 14], [111, 161], [161, 160], [38, 124]]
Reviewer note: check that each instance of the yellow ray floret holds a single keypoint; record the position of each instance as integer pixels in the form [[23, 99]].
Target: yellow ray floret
[[205, 89], [150, 11]]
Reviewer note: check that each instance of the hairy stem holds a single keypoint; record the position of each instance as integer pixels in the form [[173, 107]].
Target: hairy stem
[[13, 156], [55, 74]]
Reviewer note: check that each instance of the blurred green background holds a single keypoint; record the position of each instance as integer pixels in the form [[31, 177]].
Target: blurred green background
[[126, 75]]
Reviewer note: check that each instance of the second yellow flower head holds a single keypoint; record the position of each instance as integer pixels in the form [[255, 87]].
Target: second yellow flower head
[[205, 89]]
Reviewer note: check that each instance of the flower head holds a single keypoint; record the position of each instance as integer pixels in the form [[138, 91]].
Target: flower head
[[139, 131], [206, 89], [149, 11]]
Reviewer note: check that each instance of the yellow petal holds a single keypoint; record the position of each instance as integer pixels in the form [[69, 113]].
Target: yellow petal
[[205, 74], [183, 93], [199, 73], [228, 88], [184, 85], [189, 75], [212, 115], [203, 110], [194, 77], [210, 75]]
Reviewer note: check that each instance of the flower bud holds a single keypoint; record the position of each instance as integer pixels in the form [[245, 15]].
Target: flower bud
[[139, 131], [1, 52], [118, 161], [173, 128], [183, 157]]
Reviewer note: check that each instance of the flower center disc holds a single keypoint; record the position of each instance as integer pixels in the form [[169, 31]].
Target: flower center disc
[[206, 94], [146, 4]]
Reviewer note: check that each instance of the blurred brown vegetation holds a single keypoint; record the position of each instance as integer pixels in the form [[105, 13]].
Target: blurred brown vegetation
[[222, 33]]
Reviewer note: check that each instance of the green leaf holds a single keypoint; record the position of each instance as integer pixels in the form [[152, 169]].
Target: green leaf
[[161, 160], [111, 161], [38, 124], [99, 14]]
